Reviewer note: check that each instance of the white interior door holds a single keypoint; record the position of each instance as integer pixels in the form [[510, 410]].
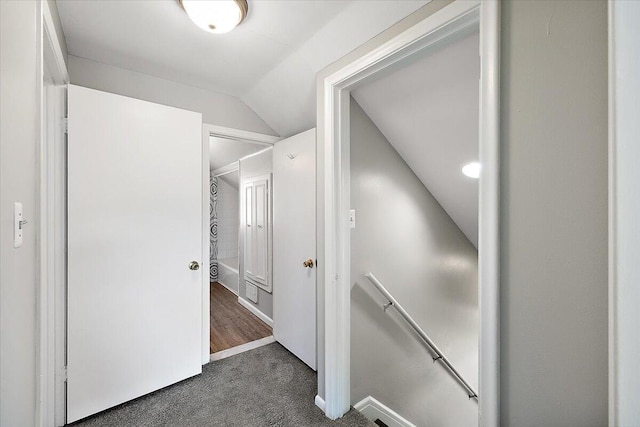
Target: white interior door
[[134, 226], [294, 242]]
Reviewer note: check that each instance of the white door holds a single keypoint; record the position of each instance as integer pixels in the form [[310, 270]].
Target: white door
[[134, 227], [294, 242]]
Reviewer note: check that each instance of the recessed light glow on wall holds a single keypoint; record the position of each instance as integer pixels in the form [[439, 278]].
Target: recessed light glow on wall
[[472, 170], [216, 16]]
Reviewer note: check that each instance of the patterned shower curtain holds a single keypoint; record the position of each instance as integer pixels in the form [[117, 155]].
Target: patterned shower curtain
[[213, 230]]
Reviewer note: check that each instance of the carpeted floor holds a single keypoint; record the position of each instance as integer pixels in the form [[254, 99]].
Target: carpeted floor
[[264, 387]]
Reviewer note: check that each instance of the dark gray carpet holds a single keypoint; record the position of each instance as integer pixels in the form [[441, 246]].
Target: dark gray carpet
[[267, 386]]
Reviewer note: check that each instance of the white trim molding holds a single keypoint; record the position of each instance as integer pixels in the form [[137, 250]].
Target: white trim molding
[[54, 59], [253, 309], [373, 410], [612, 327], [489, 217], [227, 287], [623, 212], [51, 225], [240, 135], [319, 402], [219, 355], [454, 20]]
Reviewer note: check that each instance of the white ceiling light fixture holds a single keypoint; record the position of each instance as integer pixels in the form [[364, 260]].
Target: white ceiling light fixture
[[216, 16], [472, 170]]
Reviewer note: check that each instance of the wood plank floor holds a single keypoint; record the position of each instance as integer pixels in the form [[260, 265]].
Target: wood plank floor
[[231, 323]]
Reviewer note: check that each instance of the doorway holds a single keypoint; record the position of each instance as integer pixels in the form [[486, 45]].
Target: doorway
[[236, 321], [334, 197], [414, 244], [276, 284]]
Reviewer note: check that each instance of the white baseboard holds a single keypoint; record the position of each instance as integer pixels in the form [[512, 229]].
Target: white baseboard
[[219, 355], [235, 292], [252, 308], [320, 402], [374, 410]]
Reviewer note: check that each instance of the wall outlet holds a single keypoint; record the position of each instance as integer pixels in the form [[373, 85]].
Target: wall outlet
[[352, 218]]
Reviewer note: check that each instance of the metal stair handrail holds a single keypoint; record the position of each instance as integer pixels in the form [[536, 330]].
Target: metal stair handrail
[[422, 334]]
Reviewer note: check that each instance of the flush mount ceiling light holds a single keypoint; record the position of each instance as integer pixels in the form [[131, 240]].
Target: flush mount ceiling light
[[472, 170], [216, 16]]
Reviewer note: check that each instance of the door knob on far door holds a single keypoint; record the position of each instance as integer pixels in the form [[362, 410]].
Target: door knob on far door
[[308, 263], [193, 265]]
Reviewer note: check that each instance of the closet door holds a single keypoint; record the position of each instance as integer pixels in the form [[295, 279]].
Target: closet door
[[257, 238], [248, 236], [261, 235]]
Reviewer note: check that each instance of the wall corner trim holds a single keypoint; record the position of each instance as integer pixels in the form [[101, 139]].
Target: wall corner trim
[[246, 304], [373, 410], [319, 402]]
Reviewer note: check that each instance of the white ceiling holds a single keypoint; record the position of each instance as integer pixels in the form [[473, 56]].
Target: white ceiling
[[428, 111], [269, 61], [224, 151], [231, 178]]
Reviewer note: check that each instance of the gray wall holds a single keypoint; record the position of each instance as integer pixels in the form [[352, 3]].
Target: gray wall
[[554, 213], [19, 115], [554, 209], [415, 249], [259, 164], [216, 108], [626, 198]]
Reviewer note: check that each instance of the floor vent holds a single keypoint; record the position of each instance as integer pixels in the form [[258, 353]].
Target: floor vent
[[380, 423]]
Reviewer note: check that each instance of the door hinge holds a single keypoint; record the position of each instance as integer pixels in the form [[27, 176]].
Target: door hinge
[[65, 125], [65, 374]]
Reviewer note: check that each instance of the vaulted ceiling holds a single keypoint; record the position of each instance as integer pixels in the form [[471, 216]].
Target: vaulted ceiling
[[428, 111], [223, 151], [269, 61]]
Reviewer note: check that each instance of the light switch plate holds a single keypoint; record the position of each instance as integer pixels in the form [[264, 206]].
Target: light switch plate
[[352, 218], [17, 225]]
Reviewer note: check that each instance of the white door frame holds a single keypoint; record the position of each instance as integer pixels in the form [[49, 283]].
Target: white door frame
[[623, 208], [453, 19], [51, 226], [229, 133]]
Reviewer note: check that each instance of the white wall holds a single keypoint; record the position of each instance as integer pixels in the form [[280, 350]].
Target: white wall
[[256, 165], [625, 34], [19, 116], [228, 219], [554, 213], [216, 108], [396, 29], [409, 242]]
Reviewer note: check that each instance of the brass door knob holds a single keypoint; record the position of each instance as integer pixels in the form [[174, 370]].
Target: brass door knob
[[193, 265], [308, 263]]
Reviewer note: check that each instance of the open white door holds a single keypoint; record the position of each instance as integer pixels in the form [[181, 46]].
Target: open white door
[[134, 227], [294, 242]]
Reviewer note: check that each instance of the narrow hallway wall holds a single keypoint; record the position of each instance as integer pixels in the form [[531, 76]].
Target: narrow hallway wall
[[553, 287]]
